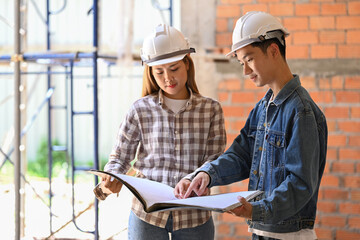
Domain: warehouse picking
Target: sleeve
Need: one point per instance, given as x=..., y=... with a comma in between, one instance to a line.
x=234, y=165
x=216, y=141
x=302, y=168
x=126, y=144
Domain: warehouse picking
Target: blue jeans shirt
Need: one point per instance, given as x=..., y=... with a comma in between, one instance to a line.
x=282, y=150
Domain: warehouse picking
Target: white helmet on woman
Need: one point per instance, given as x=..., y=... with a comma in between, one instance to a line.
x=256, y=26
x=165, y=45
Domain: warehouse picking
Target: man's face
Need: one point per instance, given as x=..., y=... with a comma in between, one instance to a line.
x=257, y=66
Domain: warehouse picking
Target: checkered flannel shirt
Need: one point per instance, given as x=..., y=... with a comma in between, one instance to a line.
x=168, y=148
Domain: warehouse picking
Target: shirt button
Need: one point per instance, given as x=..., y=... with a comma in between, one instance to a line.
x=176, y=132
x=254, y=172
x=260, y=148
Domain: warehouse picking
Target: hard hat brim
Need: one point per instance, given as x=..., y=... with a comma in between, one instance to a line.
x=166, y=60
x=241, y=44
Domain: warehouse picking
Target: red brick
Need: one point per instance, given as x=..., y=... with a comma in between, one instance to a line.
x=353, y=36
x=348, y=22
x=343, y=167
x=346, y=235
x=230, y=84
x=229, y=218
x=223, y=229
x=268, y=1
x=326, y=206
x=307, y=37
x=323, y=51
x=355, y=112
x=355, y=195
x=329, y=181
x=307, y=9
x=324, y=233
x=223, y=97
x=321, y=23
x=349, y=51
x=308, y=82
x=281, y=9
x=325, y=83
x=233, y=111
x=297, y=52
x=242, y=230
x=352, y=82
x=333, y=221
x=243, y=97
x=331, y=154
x=349, y=208
x=347, y=97
x=296, y=23
x=254, y=7
x=335, y=194
x=337, y=112
x=322, y=96
x=333, y=9
x=236, y=2
x=238, y=125
x=337, y=82
x=222, y=25
x=332, y=37
x=354, y=7
x=223, y=39
x=349, y=154
x=354, y=222
x=227, y=11
x=332, y=125
x=336, y=140
x=352, y=182
x=349, y=126
x=354, y=141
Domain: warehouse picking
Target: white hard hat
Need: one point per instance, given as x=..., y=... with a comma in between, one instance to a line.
x=165, y=45
x=256, y=26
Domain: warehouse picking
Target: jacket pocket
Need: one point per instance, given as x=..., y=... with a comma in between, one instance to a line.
x=276, y=153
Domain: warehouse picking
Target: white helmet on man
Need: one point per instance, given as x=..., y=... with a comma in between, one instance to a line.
x=256, y=26
x=165, y=45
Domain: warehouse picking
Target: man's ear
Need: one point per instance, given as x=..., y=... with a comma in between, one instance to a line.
x=274, y=50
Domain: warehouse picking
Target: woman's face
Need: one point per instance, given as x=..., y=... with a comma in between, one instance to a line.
x=172, y=78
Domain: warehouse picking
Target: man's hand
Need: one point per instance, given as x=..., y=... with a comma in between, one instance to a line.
x=245, y=210
x=198, y=185
x=111, y=184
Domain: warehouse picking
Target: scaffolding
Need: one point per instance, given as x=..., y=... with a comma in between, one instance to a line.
x=68, y=61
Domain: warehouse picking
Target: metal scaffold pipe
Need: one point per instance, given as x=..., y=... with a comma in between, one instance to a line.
x=17, y=127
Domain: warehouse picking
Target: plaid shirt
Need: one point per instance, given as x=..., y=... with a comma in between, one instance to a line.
x=169, y=147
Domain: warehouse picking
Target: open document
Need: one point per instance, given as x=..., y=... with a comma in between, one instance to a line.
x=156, y=196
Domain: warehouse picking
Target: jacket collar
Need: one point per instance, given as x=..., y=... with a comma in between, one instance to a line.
x=284, y=93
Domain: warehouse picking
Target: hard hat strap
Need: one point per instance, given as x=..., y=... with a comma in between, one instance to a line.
x=169, y=55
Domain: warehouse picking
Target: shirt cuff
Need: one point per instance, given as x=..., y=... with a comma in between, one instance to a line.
x=258, y=211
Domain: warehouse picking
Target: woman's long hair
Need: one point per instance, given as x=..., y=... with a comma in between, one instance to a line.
x=150, y=86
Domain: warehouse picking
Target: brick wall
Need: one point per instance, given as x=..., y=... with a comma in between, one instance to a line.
x=326, y=34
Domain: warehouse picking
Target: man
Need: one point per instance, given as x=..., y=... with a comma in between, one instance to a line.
x=282, y=147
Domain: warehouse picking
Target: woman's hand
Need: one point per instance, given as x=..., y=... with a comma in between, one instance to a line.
x=181, y=187
x=111, y=184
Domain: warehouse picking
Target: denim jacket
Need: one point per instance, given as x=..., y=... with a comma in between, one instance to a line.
x=282, y=150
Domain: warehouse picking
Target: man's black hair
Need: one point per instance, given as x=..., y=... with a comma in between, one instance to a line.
x=266, y=43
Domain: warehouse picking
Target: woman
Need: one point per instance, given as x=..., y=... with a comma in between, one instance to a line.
x=171, y=131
